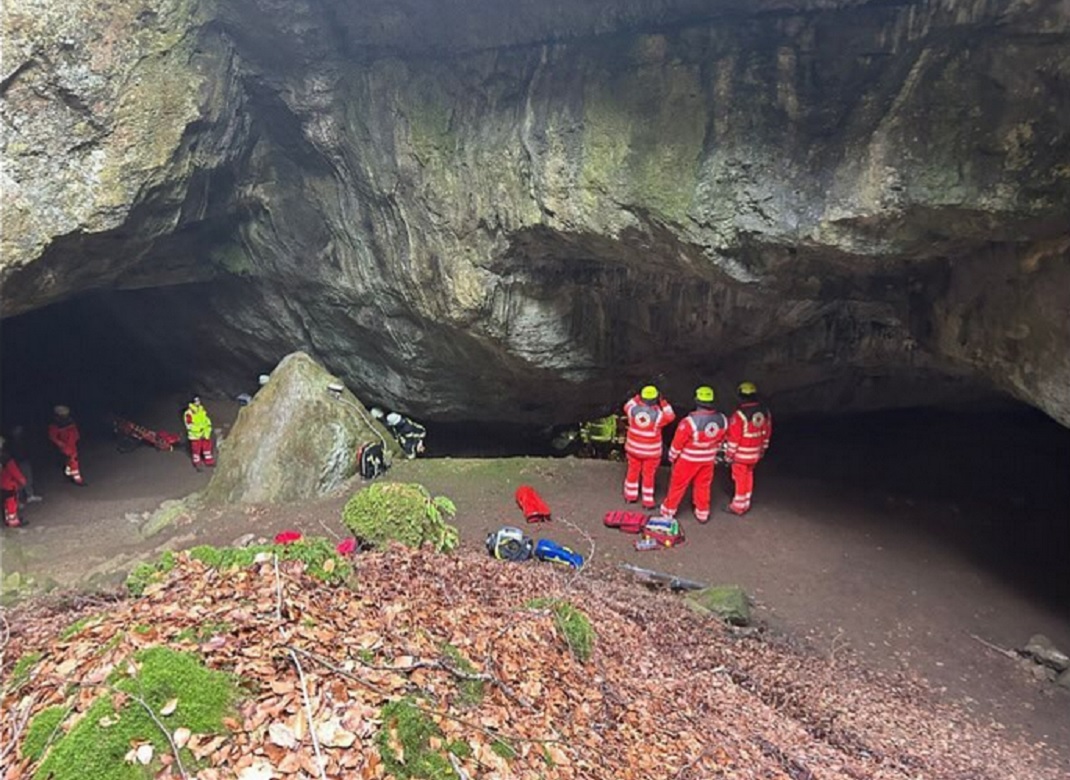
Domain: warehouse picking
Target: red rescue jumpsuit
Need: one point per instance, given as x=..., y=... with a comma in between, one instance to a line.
x=12, y=481
x=692, y=453
x=749, y=432
x=63, y=432
x=643, y=445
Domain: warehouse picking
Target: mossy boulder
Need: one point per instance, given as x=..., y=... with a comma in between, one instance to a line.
x=396, y=512
x=296, y=440
x=729, y=602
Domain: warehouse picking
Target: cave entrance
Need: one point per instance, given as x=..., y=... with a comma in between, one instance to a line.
x=84, y=354
x=989, y=482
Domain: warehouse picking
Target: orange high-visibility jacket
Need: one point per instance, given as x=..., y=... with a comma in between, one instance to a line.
x=645, y=421
x=749, y=432
x=65, y=436
x=699, y=436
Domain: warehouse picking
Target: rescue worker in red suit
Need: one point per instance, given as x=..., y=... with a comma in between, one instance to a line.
x=749, y=432
x=693, y=452
x=647, y=414
x=11, y=482
x=199, y=433
x=63, y=432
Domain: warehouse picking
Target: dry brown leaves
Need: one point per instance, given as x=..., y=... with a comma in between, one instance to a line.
x=667, y=695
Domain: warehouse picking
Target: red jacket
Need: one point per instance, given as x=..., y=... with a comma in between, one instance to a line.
x=749, y=432
x=11, y=477
x=65, y=436
x=699, y=436
x=645, y=421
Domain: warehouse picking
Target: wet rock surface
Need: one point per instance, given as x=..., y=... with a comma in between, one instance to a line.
x=863, y=204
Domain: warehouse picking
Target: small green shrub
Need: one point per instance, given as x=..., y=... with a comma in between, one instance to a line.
x=96, y=745
x=573, y=626
x=406, y=513
x=412, y=729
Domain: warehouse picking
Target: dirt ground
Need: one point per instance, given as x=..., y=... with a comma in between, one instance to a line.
x=896, y=575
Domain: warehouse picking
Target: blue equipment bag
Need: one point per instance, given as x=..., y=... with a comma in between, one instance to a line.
x=549, y=550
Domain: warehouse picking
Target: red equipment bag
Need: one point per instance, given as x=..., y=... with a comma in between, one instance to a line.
x=532, y=505
x=659, y=539
x=628, y=522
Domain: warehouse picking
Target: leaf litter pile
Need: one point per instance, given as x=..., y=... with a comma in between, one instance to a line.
x=439, y=666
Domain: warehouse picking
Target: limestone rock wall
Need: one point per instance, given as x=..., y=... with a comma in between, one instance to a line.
x=518, y=211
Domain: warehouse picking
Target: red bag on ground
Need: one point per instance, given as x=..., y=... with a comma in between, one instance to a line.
x=628, y=522
x=659, y=540
x=532, y=505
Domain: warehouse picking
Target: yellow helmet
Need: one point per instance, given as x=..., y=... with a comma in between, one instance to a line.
x=704, y=394
x=649, y=393
x=747, y=388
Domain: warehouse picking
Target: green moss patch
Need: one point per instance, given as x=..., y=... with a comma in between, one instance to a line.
x=20, y=673
x=319, y=556
x=573, y=626
x=97, y=744
x=471, y=691
x=405, y=744
x=77, y=626
x=144, y=574
x=406, y=513
x=42, y=731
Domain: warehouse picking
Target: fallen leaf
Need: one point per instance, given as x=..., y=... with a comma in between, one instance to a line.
x=169, y=707
x=331, y=734
x=181, y=736
x=282, y=735
x=144, y=754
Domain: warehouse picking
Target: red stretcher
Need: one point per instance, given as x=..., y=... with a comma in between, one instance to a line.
x=161, y=440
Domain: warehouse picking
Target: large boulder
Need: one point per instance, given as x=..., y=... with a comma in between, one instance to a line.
x=296, y=440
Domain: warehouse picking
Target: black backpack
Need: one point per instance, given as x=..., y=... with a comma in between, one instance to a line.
x=371, y=460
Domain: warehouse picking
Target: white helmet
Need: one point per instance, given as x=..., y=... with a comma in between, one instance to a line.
x=377, y=413
x=393, y=418
x=263, y=379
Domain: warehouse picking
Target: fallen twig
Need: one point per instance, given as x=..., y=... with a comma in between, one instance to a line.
x=170, y=739
x=1001, y=650
x=308, y=714
x=441, y=713
x=457, y=767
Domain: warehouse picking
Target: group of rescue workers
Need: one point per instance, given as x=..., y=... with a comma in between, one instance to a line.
x=16, y=471
x=700, y=439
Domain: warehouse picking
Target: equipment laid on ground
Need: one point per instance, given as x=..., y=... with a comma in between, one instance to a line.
x=660, y=532
x=371, y=460
x=651, y=577
x=549, y=550
x=135, y=434
x=628, y=522
x=509, y=544
x=531, y=504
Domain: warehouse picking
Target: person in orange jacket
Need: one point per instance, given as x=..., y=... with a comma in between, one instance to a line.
x=693, y=452
x=647, y=414
x=11, y=482
x=749, y=433
x=63, y=432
